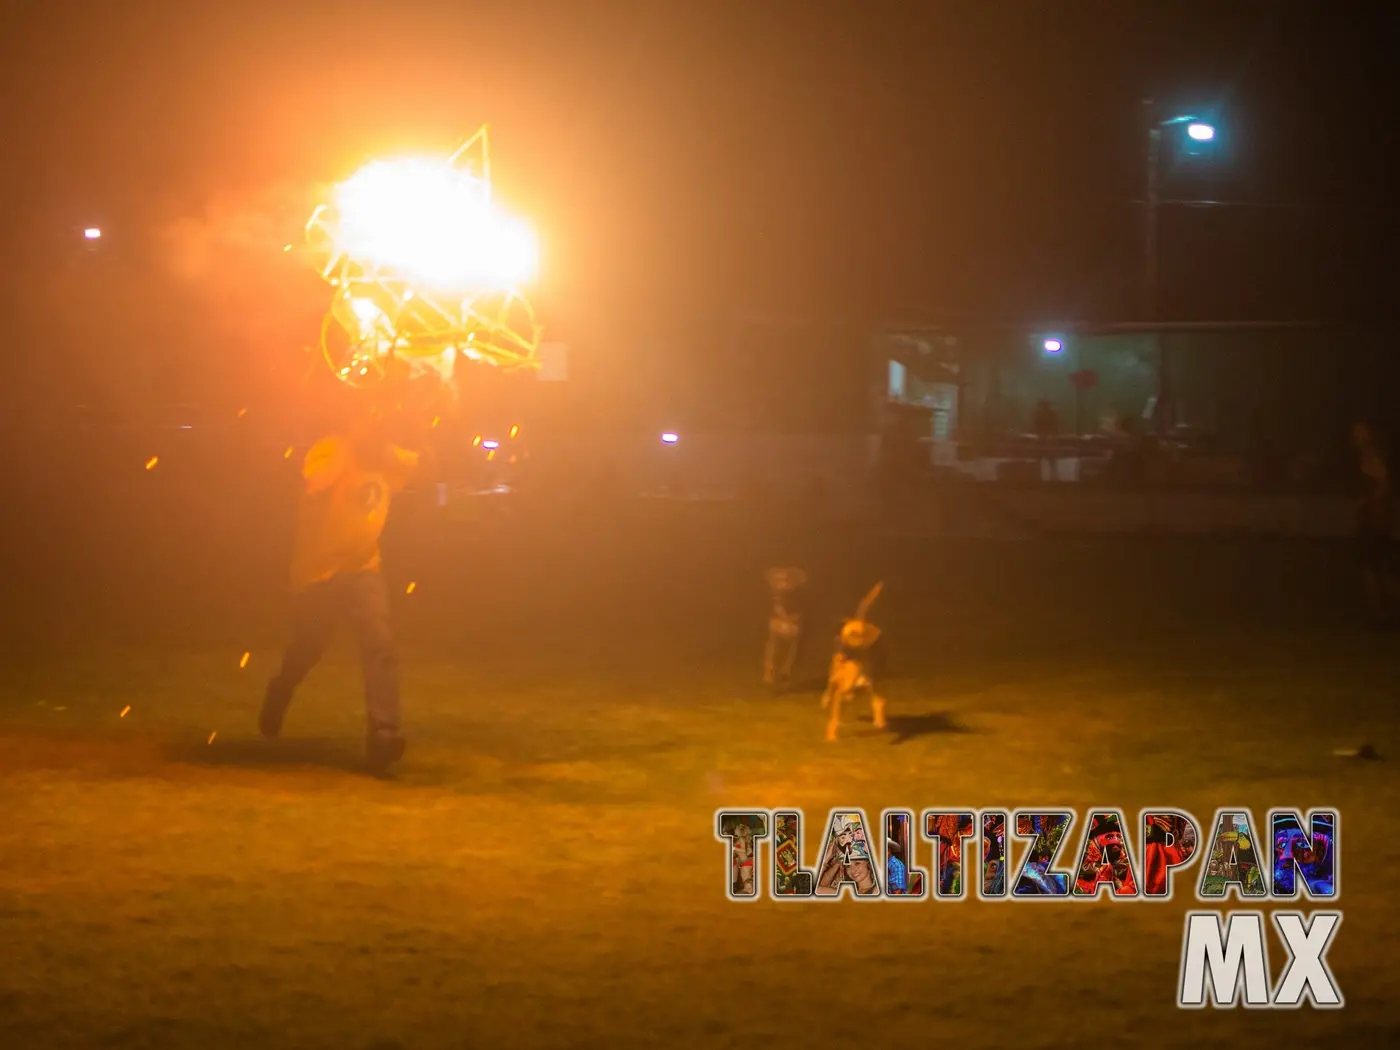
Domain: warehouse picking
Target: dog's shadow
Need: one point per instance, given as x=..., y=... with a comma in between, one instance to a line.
x=344, y=756
x=909, y=727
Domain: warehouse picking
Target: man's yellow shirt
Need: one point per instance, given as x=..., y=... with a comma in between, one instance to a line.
x=343, y=510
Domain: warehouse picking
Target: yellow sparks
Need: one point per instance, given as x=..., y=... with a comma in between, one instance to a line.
x=244, y=662
x=514, y=429
x=411, y=588
x=60, y=708
x=476, y=441
x=286, y=247
x=242, y=412
x=213, y=735
x=288, y=453
x=151, y=463
x=491, y=454
x=436, y=420
x=126, y=710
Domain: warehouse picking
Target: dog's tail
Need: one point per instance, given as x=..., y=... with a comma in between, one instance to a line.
x=863, y=609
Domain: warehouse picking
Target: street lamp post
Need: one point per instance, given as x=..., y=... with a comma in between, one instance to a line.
x=1199, y=131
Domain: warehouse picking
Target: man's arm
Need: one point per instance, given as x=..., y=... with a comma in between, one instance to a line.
x=407, y=464
x=324, y=463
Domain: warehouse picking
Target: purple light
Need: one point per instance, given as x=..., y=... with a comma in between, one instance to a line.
x=1053, y=346
x=669, y=438
x=490, y=444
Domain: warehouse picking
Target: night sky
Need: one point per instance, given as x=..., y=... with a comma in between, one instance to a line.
x=977, y=159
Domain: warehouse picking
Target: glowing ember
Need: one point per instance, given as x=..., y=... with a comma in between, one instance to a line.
x=411, y=588
x=125, y=710
x=213, y=735
x=151, y=463
x=514, y=430
x=244, y=662
x=288, y=453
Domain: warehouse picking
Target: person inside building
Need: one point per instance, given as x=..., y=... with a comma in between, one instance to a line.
x=1045, y=421
x=1375, y=525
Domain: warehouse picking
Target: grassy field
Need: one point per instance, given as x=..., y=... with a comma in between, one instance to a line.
x=543, y=871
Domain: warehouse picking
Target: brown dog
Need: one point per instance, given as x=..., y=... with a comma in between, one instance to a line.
x=851, y=672
x=786, y=617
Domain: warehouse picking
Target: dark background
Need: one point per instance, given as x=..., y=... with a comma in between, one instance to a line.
x=680, y=159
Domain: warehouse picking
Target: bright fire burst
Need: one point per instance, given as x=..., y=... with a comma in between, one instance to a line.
x=426, y=270
x=432, y=224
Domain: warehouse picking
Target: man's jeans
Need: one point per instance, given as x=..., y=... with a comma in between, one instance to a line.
x=362, y=598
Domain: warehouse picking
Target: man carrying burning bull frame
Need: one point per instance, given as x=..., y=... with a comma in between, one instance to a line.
x=348, y=480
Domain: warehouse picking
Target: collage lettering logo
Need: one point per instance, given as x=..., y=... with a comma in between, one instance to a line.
x=1224, y=955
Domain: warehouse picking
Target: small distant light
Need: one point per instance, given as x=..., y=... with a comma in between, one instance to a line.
x=669, y=438
x=1201, y=132
x=92, y=233
x=1053, y=346
x=490, y=444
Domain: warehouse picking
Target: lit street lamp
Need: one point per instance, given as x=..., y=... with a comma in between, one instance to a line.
x=1197, y=130
x=1200, y=133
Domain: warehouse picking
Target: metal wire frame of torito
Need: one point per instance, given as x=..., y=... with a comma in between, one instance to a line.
x=386, y=320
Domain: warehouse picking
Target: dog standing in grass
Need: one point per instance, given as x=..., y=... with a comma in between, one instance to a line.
x=852, y=666
x=786, y=616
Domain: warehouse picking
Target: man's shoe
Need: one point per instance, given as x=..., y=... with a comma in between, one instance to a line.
x=381, y=752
